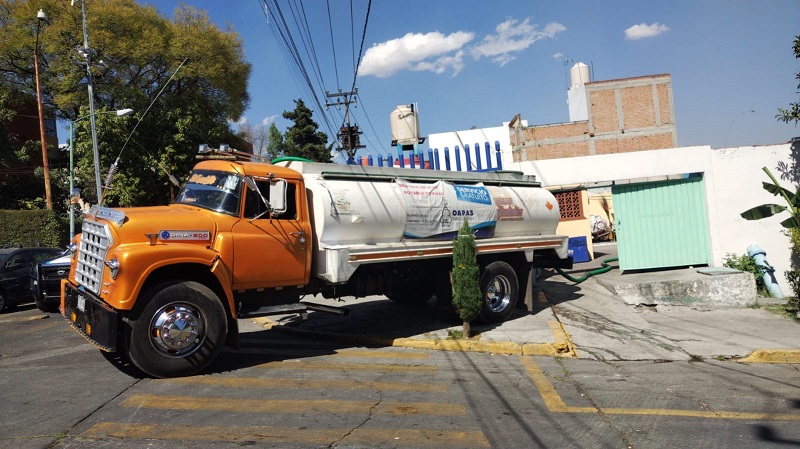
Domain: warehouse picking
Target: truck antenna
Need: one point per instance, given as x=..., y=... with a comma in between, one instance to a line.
x=112, y=171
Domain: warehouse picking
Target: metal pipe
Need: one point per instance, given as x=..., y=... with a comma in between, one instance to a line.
x=767, y=271
x=86, y=51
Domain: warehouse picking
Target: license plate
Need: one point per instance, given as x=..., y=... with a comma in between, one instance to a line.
x=81, y=303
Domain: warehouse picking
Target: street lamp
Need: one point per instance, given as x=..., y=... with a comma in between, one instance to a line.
x=87, y=53
x=72, y=192
x=41, y=17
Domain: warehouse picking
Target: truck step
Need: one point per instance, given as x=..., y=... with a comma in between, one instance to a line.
x=285, y=309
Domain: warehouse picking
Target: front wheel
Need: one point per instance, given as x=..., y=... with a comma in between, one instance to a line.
x=179, y=332
x=500, y=290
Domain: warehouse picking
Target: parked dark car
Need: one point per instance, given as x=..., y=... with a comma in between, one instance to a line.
x=15, y=269
x=46, y=279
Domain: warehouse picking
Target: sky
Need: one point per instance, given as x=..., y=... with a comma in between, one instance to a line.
x=476, y=63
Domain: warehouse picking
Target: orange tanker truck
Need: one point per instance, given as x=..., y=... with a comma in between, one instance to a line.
x=166, y=285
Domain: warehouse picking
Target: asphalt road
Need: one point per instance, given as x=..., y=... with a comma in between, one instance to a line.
x=278, y=390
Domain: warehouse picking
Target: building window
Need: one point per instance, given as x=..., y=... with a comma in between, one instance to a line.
x=570, y=205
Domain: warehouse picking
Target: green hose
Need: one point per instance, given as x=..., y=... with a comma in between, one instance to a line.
x=290, y=159
x=604, y=268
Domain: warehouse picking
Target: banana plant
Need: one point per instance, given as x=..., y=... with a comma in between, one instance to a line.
x=768, y=210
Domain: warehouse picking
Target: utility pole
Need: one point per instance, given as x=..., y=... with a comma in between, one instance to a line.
x=348, y=134
x=41, y=17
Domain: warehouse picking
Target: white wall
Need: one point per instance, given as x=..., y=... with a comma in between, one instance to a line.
x=470, y=137
x=732, y=179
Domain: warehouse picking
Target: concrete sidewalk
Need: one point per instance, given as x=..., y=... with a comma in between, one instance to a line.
x=586, y=321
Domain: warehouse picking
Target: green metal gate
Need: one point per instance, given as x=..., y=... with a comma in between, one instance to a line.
x=661, y=224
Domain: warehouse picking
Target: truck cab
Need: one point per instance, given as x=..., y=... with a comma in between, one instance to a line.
x=164, y=284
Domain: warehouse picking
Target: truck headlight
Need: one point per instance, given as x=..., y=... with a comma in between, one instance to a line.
x=113, y=266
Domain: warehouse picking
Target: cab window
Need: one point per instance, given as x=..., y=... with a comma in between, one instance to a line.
x=255, y=207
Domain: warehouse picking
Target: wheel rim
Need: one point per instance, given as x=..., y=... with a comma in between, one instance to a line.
x=177, y=330
x=498, y=293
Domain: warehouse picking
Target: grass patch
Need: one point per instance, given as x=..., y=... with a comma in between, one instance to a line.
x=788, y=310
x=455, y=334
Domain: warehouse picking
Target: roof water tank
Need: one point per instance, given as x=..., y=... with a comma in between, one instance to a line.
x=579, y=74
x=405, y=125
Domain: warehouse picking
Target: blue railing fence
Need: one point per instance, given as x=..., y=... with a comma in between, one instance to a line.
x=477, y=158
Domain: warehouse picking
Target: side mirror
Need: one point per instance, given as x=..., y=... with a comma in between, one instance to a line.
x=277, y=195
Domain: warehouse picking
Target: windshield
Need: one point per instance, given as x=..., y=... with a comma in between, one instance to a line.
x=213, y=190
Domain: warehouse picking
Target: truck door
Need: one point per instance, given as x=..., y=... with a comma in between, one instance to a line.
x=270, y=251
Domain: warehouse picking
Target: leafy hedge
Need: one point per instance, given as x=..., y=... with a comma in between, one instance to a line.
x=33, y=228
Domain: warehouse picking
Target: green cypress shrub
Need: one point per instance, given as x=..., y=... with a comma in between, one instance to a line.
x=465, y=278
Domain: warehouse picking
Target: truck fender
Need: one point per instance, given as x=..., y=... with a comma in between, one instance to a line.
x=128, y=288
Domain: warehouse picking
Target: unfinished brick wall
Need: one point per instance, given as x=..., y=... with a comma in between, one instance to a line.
x=638, y=107
x=555, y=151
x=603, y=111
x=631, y=114
x=626, y=144
x=560, y=131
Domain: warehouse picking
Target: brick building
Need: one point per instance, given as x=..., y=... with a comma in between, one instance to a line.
x=24, y=126
x=613, y=116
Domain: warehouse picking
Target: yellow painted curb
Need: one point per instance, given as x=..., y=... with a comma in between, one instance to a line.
x=494, y=347
x=773, y=356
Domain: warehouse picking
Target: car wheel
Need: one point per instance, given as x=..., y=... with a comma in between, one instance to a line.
x=2, y=302
x=179, y=332
x=49, y=308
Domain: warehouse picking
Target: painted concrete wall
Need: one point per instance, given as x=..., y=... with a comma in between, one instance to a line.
x=470, y=137
x=732, y=179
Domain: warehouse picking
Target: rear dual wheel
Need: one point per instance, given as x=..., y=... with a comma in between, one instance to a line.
x=500, y=289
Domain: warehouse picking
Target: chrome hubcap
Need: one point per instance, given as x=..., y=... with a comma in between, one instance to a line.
x=497, y=293
x=177, y=330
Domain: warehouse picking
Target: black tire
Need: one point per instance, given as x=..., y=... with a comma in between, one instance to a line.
x=49, y=308
x=2, y=302
x=197, y=325
x=500, y=291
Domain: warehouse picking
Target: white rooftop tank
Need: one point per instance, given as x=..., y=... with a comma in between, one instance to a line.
x=579, y=74
x=576, y=95
x=405, y=125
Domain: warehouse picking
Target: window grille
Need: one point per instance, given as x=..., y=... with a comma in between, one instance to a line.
x=570, y=205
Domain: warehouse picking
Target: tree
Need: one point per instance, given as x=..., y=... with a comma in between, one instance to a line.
x=465, y=278
x=792, y=200
x=302, y=139
x=792, y=114
x=256, y=135
x=276, y=147
x=140, y=50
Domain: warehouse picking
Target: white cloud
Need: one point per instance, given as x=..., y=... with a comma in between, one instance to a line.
x=269, y=120
x=558, y=55
x=644, y=30
x=512, y=37
x=438, y=53
x=415, y=51
x=441, y=65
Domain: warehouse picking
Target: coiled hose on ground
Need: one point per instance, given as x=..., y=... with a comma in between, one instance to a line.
x=604, y=268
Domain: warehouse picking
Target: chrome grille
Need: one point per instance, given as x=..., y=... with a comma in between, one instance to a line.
x=56, y=272
x=95, y=241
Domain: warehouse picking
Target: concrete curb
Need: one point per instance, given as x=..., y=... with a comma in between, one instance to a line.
x=562, y=348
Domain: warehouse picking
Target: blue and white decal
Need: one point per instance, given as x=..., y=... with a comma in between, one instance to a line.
x=185, y=236
x=473, y=194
